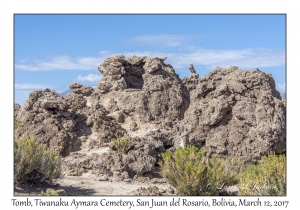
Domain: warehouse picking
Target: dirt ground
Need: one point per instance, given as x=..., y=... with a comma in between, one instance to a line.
x=86, y=185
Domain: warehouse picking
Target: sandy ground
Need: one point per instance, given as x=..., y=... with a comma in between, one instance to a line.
x=86, y=185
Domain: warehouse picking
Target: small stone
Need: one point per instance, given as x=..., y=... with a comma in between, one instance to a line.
x=162, y=191
x=170, y=190
x=103, y=178
x=61, y=192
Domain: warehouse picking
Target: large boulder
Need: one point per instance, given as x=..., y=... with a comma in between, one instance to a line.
x=46, y=119
x=81, y=90
x=62, y=123
x=144, y=89
x=234, y=112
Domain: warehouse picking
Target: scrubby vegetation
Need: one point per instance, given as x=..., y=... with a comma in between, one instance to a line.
x=221, y=173
x=190, y=174
x=17, y=123
x=122, y=145
x=49, y=192
x=266, y=178
x=34, y=162
x=234, y=164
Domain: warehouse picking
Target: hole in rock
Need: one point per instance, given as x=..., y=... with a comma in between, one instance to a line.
x=168, y=146
x=133, y=77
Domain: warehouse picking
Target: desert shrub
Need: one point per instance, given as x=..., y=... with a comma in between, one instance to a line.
x=34, y=162
x=150, y=189
x=49, y=192
x=221, y=173
x=266, y=178
x=17, y=123
x=122, y=145
x=234, y=164
x=187, y=170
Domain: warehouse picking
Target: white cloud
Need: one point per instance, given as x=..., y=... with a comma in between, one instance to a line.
x=246, y=58
x=63, y=62
x=243, y=58
x=28, y=86
x=89, y=78
x=281, y=88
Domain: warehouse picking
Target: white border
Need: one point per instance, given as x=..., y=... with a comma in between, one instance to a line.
x=9, y=8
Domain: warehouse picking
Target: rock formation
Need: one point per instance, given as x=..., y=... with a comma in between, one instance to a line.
x=17, y=108
x=64, y=123
x=146, y=89
x=228, y=112
x=235, y=112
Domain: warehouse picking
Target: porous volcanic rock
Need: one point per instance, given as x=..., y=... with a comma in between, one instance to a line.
x=82, y=90
x=77, y=163
x=139, y=160
x=17, y=108
x=150, y=90
x=62, y=123
x=228, y=112
x=234, y=112
x=46, y=119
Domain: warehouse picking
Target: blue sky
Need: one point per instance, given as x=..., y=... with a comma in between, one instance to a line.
x=56, y=50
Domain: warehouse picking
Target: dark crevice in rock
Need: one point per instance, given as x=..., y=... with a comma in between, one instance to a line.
x=134, y=77
x=168, y=147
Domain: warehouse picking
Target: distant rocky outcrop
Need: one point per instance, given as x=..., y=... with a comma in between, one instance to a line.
x=228, y=112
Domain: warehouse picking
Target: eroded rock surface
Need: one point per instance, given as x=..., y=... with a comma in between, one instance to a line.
x=17, y=108
x=64, y=124
x=143, y=89
x=228, y=112
x=235, y=112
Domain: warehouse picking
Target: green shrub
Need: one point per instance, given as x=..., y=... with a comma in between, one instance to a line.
x=266, y=178
x=234, y=164
x=190, y=174
x=150, y=189
x=122, y=145
x=49, y=192
x=221, y=173
x=34, y=162
x=17, y=123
